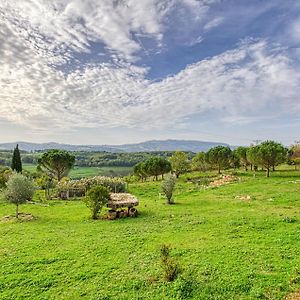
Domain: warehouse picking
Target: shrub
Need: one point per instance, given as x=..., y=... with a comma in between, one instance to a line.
x=115, y=185
x=168, y=186
x=19, y=190
x=96, y=198
x=170, y=266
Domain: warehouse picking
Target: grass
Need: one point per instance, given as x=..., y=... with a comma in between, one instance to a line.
x=227, y=248
x=79, y=172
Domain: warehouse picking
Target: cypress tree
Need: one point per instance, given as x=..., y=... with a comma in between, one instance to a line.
x=16, y=164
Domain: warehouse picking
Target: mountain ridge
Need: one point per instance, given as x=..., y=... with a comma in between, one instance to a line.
x=146, y=146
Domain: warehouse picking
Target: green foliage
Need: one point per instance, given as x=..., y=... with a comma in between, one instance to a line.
x=16, y=164
x=5, y=173
x=199, y=162
x=219, y=157
x=19, y=190
x=116, y=185
x=168, y=186
x=169, y=265
x=253, y=156
x=180, y=163
x=241, y=153
x=271, y=154
x=295, y=154
x=154, y=166
x=96, y=197
x=57, y=162
x=140, y=171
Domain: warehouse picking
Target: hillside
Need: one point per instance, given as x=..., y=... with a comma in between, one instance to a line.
x=148, y=146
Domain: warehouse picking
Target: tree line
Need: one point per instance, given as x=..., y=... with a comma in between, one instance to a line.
x=266, y=155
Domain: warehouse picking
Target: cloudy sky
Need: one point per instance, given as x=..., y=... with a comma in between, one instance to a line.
x=119, y=71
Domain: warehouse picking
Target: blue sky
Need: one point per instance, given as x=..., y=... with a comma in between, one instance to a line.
x=112, y=72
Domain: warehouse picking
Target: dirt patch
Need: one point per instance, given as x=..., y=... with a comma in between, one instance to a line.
x=244, y=197
x=293, y=296
x=22, y=217
x=223, y=180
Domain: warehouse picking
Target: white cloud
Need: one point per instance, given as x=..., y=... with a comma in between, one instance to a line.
x=252, y=82
x=62, y=26
x=249, y=82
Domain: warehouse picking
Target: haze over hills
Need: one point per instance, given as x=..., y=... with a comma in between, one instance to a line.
x=148, y=146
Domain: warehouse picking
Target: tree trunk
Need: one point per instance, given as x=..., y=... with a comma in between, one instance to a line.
x=246, y=169
x=251, y=167
x=177, y=175
x=17, y=211
x=156, y=178
x=268, y=172
x=273, y=168
x=219, y=170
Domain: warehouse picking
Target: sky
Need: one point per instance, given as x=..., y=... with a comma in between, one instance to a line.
x=126, y=71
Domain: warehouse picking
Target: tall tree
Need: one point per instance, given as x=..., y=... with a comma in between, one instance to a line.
x=271, y=154
x=57, y=162
x=16, y=164
x=180, y=163
x=241, y=153
x=219, y=157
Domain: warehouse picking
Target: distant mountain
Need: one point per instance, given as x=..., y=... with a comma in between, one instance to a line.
x=148, y=146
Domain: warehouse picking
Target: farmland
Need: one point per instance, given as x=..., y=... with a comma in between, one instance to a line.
x=237, y=241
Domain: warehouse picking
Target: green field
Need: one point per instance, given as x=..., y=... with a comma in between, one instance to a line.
x=79, y=172
x=227, y=248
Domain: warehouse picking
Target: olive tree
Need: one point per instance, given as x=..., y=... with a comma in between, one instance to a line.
x=168, y=186
x=19, y=190
x=57, y=162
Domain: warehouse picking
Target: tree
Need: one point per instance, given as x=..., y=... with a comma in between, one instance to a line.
x=219, y=157
x=271, y=154
x=96, y=198
x=19, y=190
x=139, y=170
x=253, y=156
x=241, y=153
x=168, y=186
x=199, y=162
x=57, y=162
x=295, y=155
x=180, y=163
x=16, y=163
x=155, y=166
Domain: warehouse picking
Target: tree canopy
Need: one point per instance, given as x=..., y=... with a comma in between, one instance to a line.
x=19, y=190
x=57, y=162
x=270, y=154
x=180, y=163
x=16, y=163
x=219, y=156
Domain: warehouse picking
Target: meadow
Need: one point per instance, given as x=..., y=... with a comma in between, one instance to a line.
x=227, y=245
x=79, y=172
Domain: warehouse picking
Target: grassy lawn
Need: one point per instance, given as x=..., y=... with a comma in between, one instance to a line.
x=79, y=172
x=227, y=248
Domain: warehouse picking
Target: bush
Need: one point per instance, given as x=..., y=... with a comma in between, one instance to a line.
x=96, y=198
x=170, y=266
x=168, y=186
x=115, y=185
x=19, y=190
